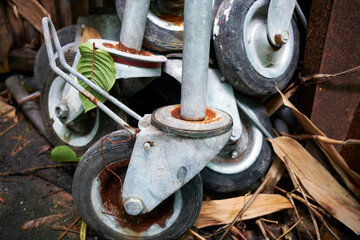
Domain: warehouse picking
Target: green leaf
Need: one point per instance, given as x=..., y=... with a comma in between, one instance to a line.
x=64, y=153
x=104, y=73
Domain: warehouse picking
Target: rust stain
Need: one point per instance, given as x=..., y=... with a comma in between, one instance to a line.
x=121, y=47
x=177, y=20
x=209, y=118
x=89, y=96
x=111, y=197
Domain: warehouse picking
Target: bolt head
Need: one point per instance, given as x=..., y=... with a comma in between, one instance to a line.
x=62, y=111
x=281, y=37
x=147, y=146
x=234, y=154
x=133, y=206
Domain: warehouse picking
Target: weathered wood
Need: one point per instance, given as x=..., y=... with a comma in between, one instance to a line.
x=22, y=59
x=65, y=13
x=80, y=9
x=16, y=24
x=32, y=11
x=32, y=36
x=51, y=7
x=5, y=40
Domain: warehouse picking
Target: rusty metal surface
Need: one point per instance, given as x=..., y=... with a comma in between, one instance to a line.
x=336, y=101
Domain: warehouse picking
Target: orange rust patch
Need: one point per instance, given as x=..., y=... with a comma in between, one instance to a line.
x=177, y=20
x=209, y=118
x=121, y=47
x=110, y=193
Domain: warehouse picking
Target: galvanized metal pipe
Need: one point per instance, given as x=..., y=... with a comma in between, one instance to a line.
x=134, y=22
x=197, y=30
x=48, y=25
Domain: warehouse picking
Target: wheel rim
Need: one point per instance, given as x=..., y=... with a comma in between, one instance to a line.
x=66, y=134
x=248, y=149
x=166, y=21
x=268, y=61
x=108, y=209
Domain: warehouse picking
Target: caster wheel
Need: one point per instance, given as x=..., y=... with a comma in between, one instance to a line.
x=239, y=166
x=81, y=133
x=164, y=31
x=97, y=197
x=245, y=56
x=66, y=37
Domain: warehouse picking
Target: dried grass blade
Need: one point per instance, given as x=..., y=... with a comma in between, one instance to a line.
x=218, y=212
x=350, y=177
x=40, y=221
x=319, y=183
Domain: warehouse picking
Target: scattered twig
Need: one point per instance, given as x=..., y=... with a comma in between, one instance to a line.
x=267, y=229
x=234, y=230
x=30, y=170
x=322, y=139
x=196, y=234
x=318, y=78
x=9, y=128
x=248, y=203
x=269, y=221
x=304, y=196
x=67, y=230
x=297, y=216
x=51, y=193
x=282, y=235
x=259, y=223
x=29, y=97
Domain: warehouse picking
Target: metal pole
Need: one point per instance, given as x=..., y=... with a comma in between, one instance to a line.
x=197, y=30
x=134, y=22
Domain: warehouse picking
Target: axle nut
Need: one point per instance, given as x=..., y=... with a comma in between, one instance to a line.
x=62, y=111
x=133, y=206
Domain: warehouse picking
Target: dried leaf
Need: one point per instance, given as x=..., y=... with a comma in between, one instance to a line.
x=319, y=183
x=224, y=211
x=40, y=221
x=83, y=230
x=351, y=178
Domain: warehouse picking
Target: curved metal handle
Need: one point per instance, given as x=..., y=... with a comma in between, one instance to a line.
x=48, y=27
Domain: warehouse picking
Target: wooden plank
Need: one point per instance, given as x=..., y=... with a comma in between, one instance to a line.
x=16, y=24
x=5, y=40
x=52, y=7
x=65, y=13
x=22, y=59
x=32, y=11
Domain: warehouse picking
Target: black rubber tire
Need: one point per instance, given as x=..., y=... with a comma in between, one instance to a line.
x=232, y=57
x=156, y=38
x=66, y=35
x=106, y=123
x=90, y=166
x=248, y=179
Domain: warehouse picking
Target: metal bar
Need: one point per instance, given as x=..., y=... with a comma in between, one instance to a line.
x=80, y=76
x=134, y=22
x=197, y=30
x=250, y=114
x=278, y=20
x=48, y=25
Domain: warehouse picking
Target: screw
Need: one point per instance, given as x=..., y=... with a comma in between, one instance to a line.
x=134, y=206
x=281, y=37
x=147, y=146
x=235, y=134
x=222, y=79
x=83, y=25
x=234, y=154
x=62, y=111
